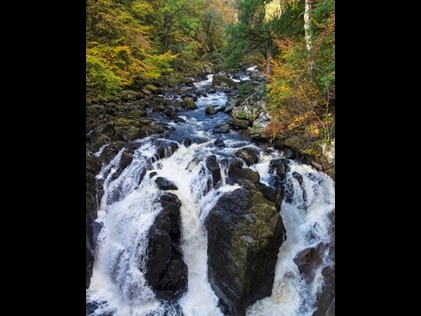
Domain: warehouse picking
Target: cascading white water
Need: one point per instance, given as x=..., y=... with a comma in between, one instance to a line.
x=307, y=223
x=204, y=83
x=117, y=278
x=129, y=206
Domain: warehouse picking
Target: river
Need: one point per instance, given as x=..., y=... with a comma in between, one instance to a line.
x=128, y=208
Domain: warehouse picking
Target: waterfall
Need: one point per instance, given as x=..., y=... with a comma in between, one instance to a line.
x=306, y=217
x=129, y=206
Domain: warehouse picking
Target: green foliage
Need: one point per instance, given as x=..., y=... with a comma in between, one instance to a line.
x=116, y=46
x=99, y=78
x=157, y=65
x=324, y=46
x=250, y=35
x=301, y=89
x=246, y=88
x=301, y=99
x=132, y=42
x=291, y=22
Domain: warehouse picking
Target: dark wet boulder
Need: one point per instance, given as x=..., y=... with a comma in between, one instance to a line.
x=165, y=184
x=126, y=159
x=187, y=142
x=281, y=166
x=222, y=128
x=245, y=232
x=326, y=296
x=289, y=154
x=213, y=166
x=243, y=176
x=250, y=179
x=249, y=155
x=219, y=143
x=131, y=129
x=171, y=113
x=165, y=148
x=210, y=110
x=307, y=261
x=166, y=272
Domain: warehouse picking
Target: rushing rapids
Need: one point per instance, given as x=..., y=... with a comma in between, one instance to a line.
x=130, y=204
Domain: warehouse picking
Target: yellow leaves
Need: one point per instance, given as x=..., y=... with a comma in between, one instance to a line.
x=314, y=132
x=142, y=8
x=299, y=120
x=119, y=61
x=156, y=65
x=273, y=10
x=294, y=100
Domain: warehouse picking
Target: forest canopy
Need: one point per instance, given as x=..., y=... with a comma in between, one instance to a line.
x=138, y=41
x=132, y=43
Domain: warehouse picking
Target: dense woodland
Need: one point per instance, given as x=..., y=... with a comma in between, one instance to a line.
x=133, y=43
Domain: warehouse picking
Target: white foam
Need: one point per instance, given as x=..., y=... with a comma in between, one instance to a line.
x=290, y=294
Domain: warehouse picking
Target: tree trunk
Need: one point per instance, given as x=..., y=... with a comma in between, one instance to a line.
x=307, y=30
x=269, y=55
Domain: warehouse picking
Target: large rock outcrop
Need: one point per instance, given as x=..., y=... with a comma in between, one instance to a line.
x=92, y=168
x=166, y=271
x=245, y=232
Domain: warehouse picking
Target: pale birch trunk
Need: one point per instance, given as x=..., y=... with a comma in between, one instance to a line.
x=307, y=30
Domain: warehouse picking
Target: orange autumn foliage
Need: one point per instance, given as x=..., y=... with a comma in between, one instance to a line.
x=295, y=103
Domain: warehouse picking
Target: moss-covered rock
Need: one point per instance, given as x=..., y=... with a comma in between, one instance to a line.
x=223, y=82
x=151, y=89
x=248, y=112
x=188, y=103
x=93, y=112
x=98, y=141
x=136, y=114
x=129, y=95
x=157, y=107
x=292, y=142
x=210, y=110
x=130, y=129
x=245, y=177
x=245, y=232
x=257, y=130
x=239, y=123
